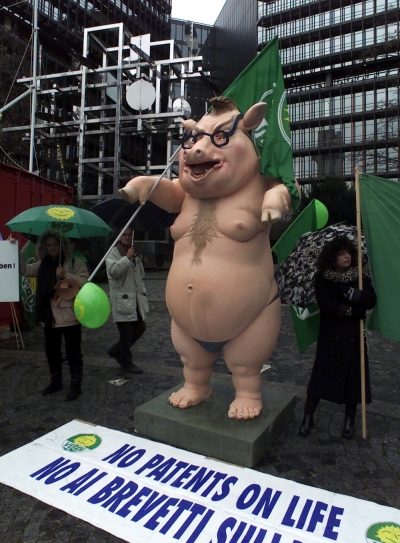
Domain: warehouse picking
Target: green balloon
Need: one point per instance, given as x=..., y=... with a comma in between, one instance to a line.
x=322, y=214
x=92, y=306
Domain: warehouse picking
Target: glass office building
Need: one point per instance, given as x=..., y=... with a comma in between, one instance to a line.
x=195, y=39
x=235, y=38
x=341, y=65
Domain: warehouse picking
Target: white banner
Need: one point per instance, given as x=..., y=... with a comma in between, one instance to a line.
x=146, y=492
x=9, y=272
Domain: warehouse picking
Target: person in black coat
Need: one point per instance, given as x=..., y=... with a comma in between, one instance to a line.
x=336, y=374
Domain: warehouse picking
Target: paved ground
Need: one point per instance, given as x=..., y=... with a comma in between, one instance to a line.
x=367, y=469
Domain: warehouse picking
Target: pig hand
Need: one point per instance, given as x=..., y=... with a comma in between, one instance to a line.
x=137, y=188
x=270, y=216
x=276, y=203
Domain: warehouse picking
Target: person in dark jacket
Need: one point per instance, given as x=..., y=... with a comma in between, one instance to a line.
x=336, y=374
x=59, y=277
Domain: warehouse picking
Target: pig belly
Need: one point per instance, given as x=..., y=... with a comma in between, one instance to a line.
x=216, y=300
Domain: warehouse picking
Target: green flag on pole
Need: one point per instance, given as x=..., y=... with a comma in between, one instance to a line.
x=28, y=286
x=380, y=212
x=305, y=319
x=262, y=81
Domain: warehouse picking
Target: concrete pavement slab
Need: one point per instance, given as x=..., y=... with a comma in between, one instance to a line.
x=366, y=469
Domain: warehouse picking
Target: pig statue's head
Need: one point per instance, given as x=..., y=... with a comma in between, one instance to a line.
x=218, y=156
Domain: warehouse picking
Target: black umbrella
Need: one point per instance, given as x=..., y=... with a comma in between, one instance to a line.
x=295, y=276
x=116, y=213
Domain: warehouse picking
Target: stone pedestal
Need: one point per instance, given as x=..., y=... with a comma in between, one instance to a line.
x=206, y=429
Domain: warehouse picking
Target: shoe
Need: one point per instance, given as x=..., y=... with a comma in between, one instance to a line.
x=74, y=391
x=306, y=425
x=52, y=387
x=131, y=368
x=349, y=427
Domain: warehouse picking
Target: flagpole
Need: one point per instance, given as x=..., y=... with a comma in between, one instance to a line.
x=169, y=165
x=360, y=286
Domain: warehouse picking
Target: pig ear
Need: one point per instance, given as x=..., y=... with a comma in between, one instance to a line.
x=254, y=116
x=188, y=125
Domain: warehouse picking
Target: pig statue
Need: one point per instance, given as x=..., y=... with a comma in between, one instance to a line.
x=221, y=291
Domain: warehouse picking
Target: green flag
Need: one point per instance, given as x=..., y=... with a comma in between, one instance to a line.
x=262, y=81
x=380, y=210
x=306, y=325
x=28, y=286
x=305, y=319
x=312, y=218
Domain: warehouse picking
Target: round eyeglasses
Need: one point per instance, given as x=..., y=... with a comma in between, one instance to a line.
x=220, y=138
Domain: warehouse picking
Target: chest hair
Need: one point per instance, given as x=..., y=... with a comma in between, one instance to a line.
x=204, y=227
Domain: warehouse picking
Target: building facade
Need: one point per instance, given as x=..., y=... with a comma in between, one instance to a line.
x=341, y=63
x=235, y=38
x=340, y=60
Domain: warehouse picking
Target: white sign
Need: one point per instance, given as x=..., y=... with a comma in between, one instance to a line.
x=9, y=272
x=146, y=492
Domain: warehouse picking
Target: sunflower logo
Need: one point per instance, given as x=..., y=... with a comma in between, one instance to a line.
x=60, y=213
x=81, y=442
x=277, y=112
x=383, y=532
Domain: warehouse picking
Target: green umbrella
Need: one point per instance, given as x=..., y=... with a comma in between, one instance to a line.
x=71, y=221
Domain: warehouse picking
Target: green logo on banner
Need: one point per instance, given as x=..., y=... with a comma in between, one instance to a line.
x=81, y=442
x=383, y=532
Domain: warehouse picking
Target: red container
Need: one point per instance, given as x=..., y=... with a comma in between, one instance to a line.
x=21, y=190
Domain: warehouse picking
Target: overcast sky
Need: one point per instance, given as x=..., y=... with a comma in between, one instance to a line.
x=199, y=11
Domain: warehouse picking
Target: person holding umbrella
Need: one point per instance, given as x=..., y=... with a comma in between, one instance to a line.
x=59, y=277
x=336, y=374
x=128, y=299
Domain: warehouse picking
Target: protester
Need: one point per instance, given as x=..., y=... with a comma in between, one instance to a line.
x=59, y=278
x=128, y=299
x=336, y=374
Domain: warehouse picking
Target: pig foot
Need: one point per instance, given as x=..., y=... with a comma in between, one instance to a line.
x=245, y=408
x=271, y=215
x=185, y=397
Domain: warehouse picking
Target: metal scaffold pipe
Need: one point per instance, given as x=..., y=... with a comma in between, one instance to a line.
x=34, y=82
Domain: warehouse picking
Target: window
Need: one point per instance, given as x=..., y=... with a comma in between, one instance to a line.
x=380, y=34
x=380, y=5
x=393, y=127
x=369, y=36
x=369, y=130
x=380, y=98
x=346, y=41
x=369, y=7
x=346, y=104
x=347, y=163
x=357, y=10
x=358, y=131
x=381, y=129
x=393, y=96
x=369, y=100
x=335, y=105
x=358, y=102
x=346, y=133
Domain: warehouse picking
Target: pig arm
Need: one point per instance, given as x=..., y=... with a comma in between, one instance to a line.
x=276, y=202
x=168, y=194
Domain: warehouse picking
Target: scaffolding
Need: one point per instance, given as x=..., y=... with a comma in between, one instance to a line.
x=116, y=116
